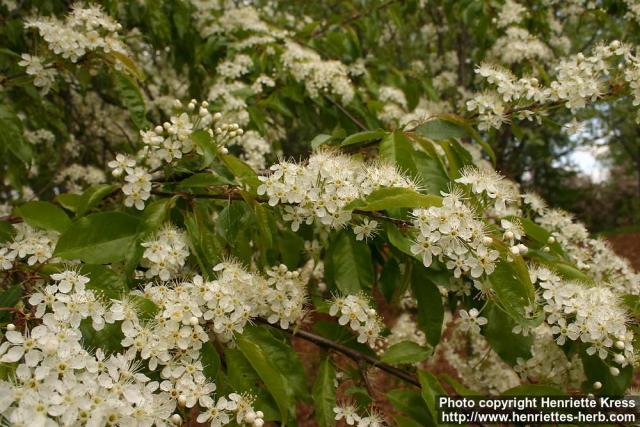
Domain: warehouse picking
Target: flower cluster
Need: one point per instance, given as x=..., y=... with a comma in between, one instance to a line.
x=165, y=253
x=406, y=329
x=318, y=75
x=76, y=178
x=578, y=80
x=549, y=364
x=167, y=143
x=84, y=30
x=355, y=311
x=93, y=388
x=43, y=75
x=454, y=235
x=477, y=364
x=34, y=246
x=591, y=314
x=324, y=187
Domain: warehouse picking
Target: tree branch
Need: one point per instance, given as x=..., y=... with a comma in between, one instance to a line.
x=354, y=355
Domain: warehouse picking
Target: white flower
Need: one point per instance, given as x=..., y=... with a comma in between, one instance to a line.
x=365, y=230
x=471, y=321
x=348, y=413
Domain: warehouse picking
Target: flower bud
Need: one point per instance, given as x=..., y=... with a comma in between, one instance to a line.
x=515, y=250
x=217, y=116
x=176, y=419
x=597, y=385
x=250, y=417
x=619, y=359
x=546, y=249
x=487, y=240
x=508, y=235
x=158, y=129
x=11, y=327
x=259, y=422
x=614, y=371
x=182, y=400
x=551, y=240
x=259, y=414
x=619, y=343
x=193, y=321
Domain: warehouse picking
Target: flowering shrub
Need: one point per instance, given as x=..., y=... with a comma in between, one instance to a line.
x=159, y=253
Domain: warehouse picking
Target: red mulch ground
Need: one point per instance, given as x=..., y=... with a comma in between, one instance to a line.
x=627, y=245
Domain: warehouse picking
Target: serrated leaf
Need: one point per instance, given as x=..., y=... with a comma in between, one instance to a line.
x=131, y=97
x=324, y=394
x=44, y=215
x=98, y=238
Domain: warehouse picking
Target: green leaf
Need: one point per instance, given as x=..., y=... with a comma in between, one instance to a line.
x=499, y=335
x=82, y=203
x=271, y=376
x=430, y=309
x=431, y=175
x=411, y=403
x=351, y=262
x=632, y=303
x=242, y=377
x=366, y=136
x=321, y=139
x=6, y=231
x=104, y=280
x=390, y=279
x=203, y=180
x=100, y=238
x=210, y=361
x=440, y=129
x=393, y=198
x=431, y=390
x=11, y=135
x=597, y=370
x=449, y=126
x=398, y=240
x=396, y=148
x=513, y=289
x=527, y=390
x=9, y=298
x=131, y=98
x=324, y=394
x=242, y=171
x=44, y=215
x=205, y=142
x=405, y=352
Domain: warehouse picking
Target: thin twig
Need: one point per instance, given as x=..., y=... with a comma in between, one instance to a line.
x=349, y=352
